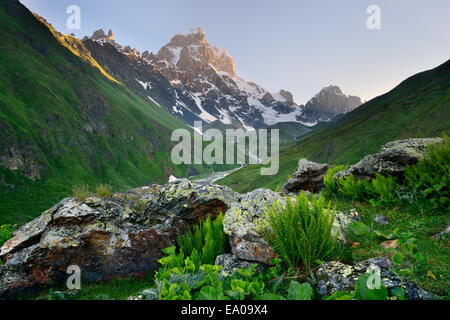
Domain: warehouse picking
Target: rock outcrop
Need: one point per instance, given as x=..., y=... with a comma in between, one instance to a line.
x=391, y=159
x=336, y=276
x=107, y=238
x=308, y=176
x=123, y=235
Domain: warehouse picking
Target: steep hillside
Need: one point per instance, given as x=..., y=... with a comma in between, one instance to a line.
x=418, y=107
x=65, y=122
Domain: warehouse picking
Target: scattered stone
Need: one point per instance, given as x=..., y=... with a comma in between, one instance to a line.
x=308, y=176
x=391, y=159
x=389, y=244
x=336, y=276
x=381, y=220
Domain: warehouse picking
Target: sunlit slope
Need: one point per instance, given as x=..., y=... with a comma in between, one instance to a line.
x=63, y=122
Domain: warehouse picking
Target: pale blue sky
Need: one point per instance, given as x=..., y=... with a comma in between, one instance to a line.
x=297, y=45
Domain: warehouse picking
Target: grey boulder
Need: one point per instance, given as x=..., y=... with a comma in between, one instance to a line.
x=391, y=159
x=308, y=176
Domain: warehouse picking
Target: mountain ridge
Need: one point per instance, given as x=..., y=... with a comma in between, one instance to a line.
x=204, y=84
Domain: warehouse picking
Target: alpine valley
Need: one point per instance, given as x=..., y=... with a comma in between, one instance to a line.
x=82, y=112
x=93, y=206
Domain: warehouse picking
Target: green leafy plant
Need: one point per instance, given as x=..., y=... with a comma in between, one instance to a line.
x=300, y=232
x=383, y=191
x=300, y=291
x=359, y=231
x=330, y=181
x=353, y=188
x=397, y=261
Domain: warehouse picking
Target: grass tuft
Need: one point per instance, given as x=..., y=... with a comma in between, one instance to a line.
x=81, y=192
x=104, y=190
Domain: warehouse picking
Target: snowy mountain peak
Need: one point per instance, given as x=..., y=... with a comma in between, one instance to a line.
x=196, y=81
x=193, y=31
x=191, y=52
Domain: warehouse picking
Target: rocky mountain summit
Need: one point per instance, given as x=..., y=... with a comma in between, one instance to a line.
x=198, y=82
x=329, y=102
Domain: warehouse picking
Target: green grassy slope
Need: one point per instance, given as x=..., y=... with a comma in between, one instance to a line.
x=63, y=123
x=418, y=107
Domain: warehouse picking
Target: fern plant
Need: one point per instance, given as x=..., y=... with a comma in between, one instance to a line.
x=330, y=181
x=431, y=175
x=300, y=232
x=353, y=188
x=383, y=190
x=204, y=242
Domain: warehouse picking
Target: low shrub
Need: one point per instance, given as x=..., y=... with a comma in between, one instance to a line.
x=300, y=231
x=330, y=181
x=383, y=190
x=425, y=185
x=353, y=188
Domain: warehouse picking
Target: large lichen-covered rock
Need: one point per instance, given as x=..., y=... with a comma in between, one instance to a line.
x=191, y=200
x=391, y=159
x=241, y=223
x=244, y=219
x=107, y=238
x=308, y=176
x=336, y=276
